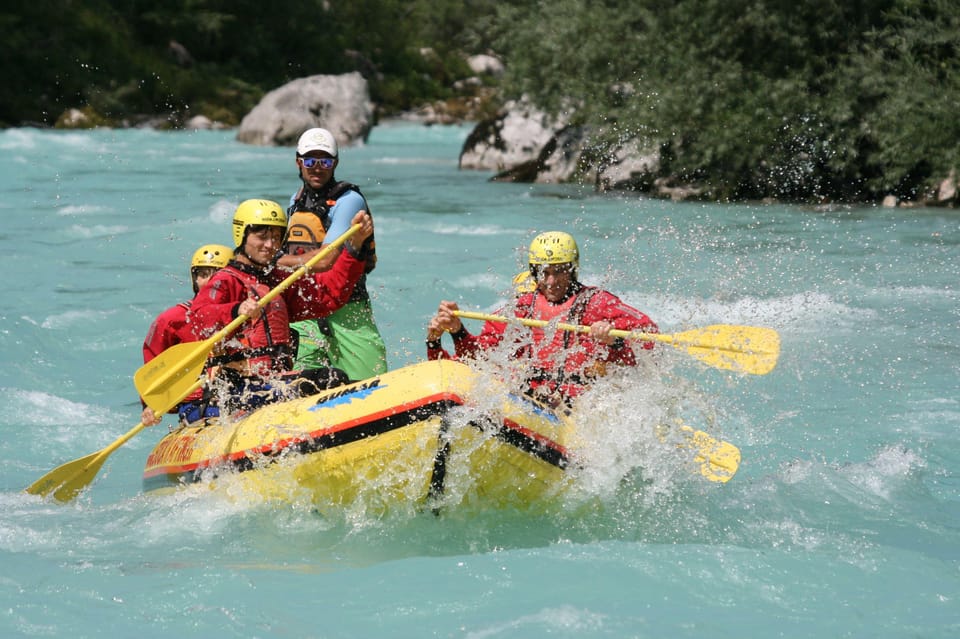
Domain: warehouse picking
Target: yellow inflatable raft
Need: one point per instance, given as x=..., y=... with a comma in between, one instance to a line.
x=419, y=435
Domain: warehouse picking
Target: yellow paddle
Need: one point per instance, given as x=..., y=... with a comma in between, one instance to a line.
x=718, y=460
x=162, y=383
x=745, y=349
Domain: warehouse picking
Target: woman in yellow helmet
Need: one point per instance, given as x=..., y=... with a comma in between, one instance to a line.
x=563, y=362
x=256, y=362
x=170, y=326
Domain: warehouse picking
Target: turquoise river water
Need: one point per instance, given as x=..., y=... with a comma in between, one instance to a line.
x=843, y=520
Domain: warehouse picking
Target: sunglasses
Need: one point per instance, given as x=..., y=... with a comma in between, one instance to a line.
x=323, y=163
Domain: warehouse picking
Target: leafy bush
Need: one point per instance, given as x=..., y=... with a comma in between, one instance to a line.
x=751, y=99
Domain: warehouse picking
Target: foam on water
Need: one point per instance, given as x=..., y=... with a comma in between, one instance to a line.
x=44, y=409
x=81, y=209
x=71, y=319
x=222, y=210
x=96, y=231
x=472, y=230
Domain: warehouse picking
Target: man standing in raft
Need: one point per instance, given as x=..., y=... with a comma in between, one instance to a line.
x=170, y=328
x=563, y=362
x=321, y=211
x=255, y=364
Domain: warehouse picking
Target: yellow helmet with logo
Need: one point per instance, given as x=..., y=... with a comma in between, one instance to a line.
x=208, y=256
x=214, y=255
x=554, y=247
x=256, y=213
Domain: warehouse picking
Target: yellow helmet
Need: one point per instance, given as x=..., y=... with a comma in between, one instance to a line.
x=554, y=247
x=256, y=213
x=215, y=255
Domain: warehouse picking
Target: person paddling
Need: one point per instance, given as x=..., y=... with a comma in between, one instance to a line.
x=563, y=362
x=256, y=363
x=319, y=212
x=170, y=327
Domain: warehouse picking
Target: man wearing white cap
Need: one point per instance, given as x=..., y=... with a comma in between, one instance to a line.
x=320, y=211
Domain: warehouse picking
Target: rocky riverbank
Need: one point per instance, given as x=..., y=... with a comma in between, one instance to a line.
x=515, y=140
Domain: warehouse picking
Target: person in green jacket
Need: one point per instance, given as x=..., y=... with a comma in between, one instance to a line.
x=319, y=212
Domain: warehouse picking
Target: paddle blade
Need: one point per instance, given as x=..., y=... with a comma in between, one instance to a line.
x=66, y=481
x=718, y=460
x=745, y=349
x=172, y=375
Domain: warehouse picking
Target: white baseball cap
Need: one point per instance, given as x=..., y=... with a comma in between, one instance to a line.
x=317, y=140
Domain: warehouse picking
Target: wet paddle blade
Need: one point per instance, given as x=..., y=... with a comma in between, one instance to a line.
x=65, y=481
x=745, y=349
x=718, y=460
x=172, y=375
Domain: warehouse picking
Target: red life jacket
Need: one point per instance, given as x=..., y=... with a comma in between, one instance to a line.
x=264, y=343
x=567, y=353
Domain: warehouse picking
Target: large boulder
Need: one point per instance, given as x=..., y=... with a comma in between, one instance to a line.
x=339, y=103
x=523, y=144
x=516, y=135
x=947, y=191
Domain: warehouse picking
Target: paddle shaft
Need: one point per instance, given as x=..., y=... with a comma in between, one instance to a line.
x=277, y=290
x=574, y=328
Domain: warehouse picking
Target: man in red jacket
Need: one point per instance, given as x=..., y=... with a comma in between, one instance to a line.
x=169, y=327
x=255, y=362
x=563, y=362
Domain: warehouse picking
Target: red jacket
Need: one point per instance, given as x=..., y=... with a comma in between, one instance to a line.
x=169, y=329
x=267, y=340
x=165, y=331
x=564, y=360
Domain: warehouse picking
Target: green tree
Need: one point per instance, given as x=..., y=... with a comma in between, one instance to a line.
x=51, y=51
x=902, y=128
x=752, y=98
x=115, y=55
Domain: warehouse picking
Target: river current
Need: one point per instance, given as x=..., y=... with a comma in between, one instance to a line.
x=842, y=521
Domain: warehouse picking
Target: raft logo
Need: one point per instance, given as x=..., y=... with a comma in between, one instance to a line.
x=347, y=395
x=173, y=450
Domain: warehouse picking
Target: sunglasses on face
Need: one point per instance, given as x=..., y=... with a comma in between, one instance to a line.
x=323, y=163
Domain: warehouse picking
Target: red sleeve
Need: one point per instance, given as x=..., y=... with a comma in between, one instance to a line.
x=164, y=332
x=467, y=345
x=320, y=294
x=213, y=307
x=608, y=307
x=170, y=328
